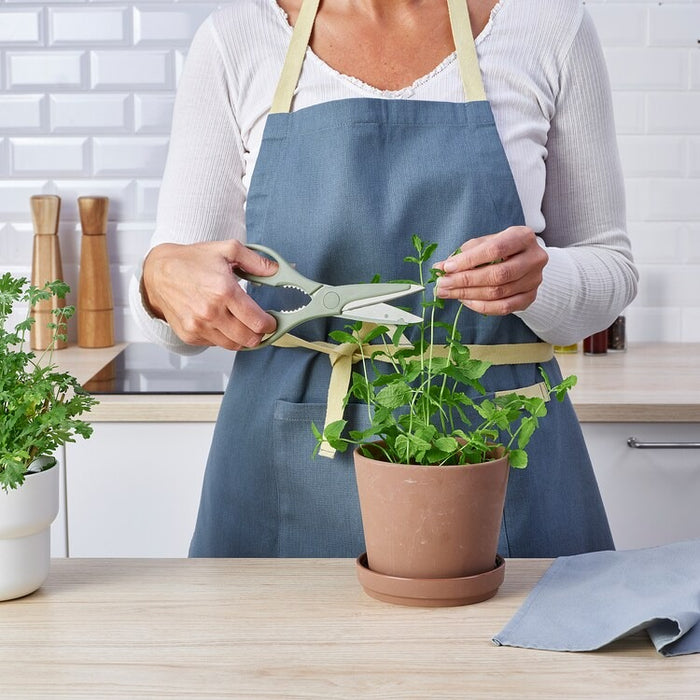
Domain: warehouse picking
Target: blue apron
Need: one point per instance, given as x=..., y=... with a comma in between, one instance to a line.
x=339, y=189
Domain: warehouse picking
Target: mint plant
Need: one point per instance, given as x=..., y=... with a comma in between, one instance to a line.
x=40, y=405
x=418, y=410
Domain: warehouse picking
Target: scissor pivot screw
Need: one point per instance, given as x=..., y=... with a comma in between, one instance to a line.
x=331, y=300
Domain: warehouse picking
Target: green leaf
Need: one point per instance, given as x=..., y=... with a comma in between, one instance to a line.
x=334, y=430
x=394, y=395
x=427, y=252
x=517, y=459
x=398, y=335
x=384, y=379
x=526, y=430
x=332, y=435
x=447, y=444
x=439, y=365
x=357, y=436
x=375, y=333
x=535, y=406
x=411, y=448
x=343, y=337
x=562, y=388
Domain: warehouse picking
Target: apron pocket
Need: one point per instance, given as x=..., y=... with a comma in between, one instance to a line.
x=319, y=511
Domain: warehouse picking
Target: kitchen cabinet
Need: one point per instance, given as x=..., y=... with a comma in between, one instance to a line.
x=651, y=495
x=132, y=489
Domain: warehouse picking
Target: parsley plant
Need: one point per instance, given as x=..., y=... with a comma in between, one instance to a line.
x=40, y=405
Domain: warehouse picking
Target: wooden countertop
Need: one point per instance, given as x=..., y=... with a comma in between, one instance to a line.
x=84, y=363
x=651, y=382
x=293, y=628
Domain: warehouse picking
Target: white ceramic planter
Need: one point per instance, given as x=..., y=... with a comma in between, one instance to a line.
x=26, y=514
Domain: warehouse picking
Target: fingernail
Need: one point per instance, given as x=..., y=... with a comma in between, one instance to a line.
x=449, y=266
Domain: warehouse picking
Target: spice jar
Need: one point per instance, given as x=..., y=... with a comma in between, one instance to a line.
x=617, y=341
x=596, y=344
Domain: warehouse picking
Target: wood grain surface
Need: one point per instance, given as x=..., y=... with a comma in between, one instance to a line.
x=95, y=303
x=294, y=628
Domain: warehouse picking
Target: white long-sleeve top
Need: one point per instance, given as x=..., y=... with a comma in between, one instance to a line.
x=545, y=77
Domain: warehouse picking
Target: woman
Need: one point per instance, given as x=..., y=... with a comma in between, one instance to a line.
x=335, y=156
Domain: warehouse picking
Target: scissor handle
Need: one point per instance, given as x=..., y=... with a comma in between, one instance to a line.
x=285, y=323
x=286, y=275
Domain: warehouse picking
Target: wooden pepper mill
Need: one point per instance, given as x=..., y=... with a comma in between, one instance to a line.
x=46, y=267
x=95, y=306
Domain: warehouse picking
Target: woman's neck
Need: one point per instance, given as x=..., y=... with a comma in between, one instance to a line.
x=388, y=44
x=392, y=11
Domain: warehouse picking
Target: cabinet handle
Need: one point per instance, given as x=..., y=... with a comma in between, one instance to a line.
x=633, y=442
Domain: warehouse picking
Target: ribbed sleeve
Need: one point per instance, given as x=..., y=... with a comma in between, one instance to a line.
x=590, y=277
x=202, y=196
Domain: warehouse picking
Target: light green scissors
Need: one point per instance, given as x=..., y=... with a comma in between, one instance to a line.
x=355, y=302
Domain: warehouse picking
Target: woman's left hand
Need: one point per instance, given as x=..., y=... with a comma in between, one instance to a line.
x=495, y=274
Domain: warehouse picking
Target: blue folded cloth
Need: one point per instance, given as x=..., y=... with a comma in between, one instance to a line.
x=586, y=601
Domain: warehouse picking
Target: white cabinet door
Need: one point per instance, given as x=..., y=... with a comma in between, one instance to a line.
x=652, y=496
x=132, y=489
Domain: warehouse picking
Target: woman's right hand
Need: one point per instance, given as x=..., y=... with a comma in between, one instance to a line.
x=193, y=288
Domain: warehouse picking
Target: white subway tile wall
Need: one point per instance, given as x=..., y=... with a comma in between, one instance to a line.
x=86, y=98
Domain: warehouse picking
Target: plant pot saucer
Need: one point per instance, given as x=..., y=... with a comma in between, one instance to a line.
x=430, y=592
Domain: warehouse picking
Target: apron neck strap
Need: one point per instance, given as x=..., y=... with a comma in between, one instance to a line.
x=466, y=51
x=461, y=33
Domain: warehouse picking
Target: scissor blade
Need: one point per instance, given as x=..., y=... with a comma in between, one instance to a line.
x=381, y=313
x=390, y=291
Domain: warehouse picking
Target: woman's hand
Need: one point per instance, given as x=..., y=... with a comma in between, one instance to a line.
x=495, y=274
x=193, y=288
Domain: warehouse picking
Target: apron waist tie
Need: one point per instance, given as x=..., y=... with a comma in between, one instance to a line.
x=342, y=357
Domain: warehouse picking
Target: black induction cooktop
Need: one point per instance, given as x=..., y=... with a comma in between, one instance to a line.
x=146, y=368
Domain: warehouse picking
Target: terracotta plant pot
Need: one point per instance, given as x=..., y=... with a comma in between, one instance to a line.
x=437, y=523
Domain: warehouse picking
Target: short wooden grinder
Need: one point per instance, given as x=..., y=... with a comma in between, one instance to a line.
x=95, y=305
x=46, y=267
